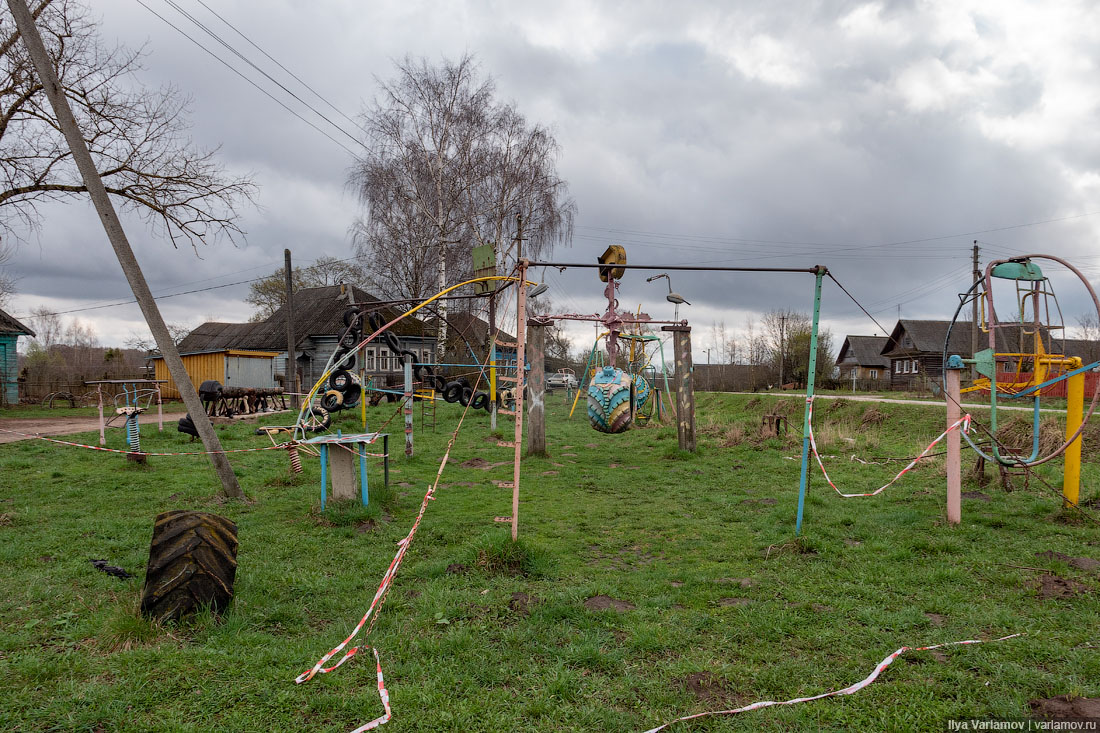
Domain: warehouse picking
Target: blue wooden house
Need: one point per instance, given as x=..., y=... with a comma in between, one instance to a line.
x=10, y=331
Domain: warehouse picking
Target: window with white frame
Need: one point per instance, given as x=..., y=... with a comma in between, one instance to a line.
x=874, y=373
x=916, y=366
x=383, y=360
x=904, y=366
x=370, y=360
x=897, y=367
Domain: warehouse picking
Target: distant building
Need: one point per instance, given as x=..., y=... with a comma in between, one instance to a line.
x=10, y=331
x=318, y=325
x=861, y=358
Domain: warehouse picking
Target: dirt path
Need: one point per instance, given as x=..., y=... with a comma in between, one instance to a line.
x=67, y=425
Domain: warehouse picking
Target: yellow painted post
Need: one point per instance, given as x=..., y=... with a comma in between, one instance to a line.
x=1075, y=408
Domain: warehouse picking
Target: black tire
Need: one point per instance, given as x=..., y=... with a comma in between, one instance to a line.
x=348, y=363
x=350, y=339
x=317, y=419
x=352, y=315
x=440, y=383
x=352, y=395
x=376, y=321
x=187, y=426
x=392, y=341
x=404, y=355
x=333, y=400
x=452, y=391
x=192, y=563
x=465, y=397
x=340, y=380
x=480, y=401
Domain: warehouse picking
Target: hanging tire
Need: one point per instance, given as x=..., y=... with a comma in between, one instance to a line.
x=333, y=400
x=465, y=396
x=375, y=321
x=440, y=383
x=352, y=316
x=350, y=339
x=340, y=362
x=340, y=380
x=392, y=341
x=480, y=401
x=452, y=391
x=192, y=564
x=317, y=419
x=352, y=395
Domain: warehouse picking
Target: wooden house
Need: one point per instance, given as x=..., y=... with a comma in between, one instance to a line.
x=10, y=331
x=318, y=324
x=861, y=359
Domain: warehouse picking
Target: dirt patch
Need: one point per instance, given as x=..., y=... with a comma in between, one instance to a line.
x=676, y=583
x=477, y=462
x=1065, y=707
x=521, y=603
x=607, y=603
x=937, y=619
x=1081, y=563
x=549, y=473
x=591, y=445
x=568, y=455
x=851, y=542
x=975, y=495
x=6, y=519
x=769, y=502
x=734, y=601
x=820, y=608
x=710, y=689
x=457, y=568
x=1053, y=586
x=368, y=526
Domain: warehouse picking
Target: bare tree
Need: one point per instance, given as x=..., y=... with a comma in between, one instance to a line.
x=451, y=168
x=146, y=343
x=48, y=327
x=268, y=294
x=138, y=137
x=7, y=279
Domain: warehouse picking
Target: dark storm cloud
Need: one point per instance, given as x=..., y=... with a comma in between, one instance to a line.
x=824, y=134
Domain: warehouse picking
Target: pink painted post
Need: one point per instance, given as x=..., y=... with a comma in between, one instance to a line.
x=954, y=456
x=102, y=425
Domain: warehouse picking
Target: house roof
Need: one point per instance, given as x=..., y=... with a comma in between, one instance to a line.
x=317, y=312
x=8, y=324
x=864, y=351
x=928, y=337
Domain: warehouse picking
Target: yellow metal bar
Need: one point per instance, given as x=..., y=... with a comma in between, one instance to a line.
x=1075, y=408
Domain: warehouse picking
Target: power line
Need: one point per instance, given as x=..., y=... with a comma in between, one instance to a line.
x=250, y=81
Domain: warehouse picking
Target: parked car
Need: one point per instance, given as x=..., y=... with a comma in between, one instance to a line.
x=561, y=380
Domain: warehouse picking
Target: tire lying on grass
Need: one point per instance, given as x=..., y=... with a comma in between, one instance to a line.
x=192, y=564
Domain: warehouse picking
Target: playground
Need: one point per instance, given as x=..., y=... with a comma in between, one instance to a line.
x=648, y=582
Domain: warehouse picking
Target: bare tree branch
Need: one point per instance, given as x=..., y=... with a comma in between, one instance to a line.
x=137, y=136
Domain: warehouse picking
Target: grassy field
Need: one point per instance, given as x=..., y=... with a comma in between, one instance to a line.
x=712, y=601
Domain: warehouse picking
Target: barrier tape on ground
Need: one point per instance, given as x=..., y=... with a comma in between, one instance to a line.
x=851, y=689
x=963, y=423
x=280, y=446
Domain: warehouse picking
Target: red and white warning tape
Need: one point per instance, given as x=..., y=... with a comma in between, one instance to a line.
x=138, y=453
x=962, y=423
x=846, y=691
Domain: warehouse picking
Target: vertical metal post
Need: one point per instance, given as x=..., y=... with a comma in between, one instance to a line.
x=536, y=431
x=160, y=411
x=521, y=372
x=363, y=473
x=952, y=390
x=821, y=271
x=1075, y=407
x=102, y=424
x=408, y=409
x=324, y=474
x=493, y=360
x=975, y=274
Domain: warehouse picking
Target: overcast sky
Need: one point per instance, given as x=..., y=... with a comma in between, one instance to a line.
x=879, y=139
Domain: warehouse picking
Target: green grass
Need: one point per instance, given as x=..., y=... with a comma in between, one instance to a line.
x=61, y=410
x=479, y=634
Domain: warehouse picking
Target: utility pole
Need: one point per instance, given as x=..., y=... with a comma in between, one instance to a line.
x=975, y=274
x=126, y=259
x=782, y=349
x=291, y=357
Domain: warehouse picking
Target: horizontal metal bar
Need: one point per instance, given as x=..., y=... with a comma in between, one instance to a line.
x=1067, y=375
x=701, y=268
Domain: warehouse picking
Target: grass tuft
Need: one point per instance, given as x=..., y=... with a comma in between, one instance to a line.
x=497, y=554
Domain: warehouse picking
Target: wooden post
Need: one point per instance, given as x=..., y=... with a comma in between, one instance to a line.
x=291, y=358
x=954, y=455
x=685, y=386
x=536, y=386
x=521, y=346
x=97, y=192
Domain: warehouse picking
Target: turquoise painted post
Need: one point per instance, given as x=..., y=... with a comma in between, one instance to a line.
x=324, y=473
x=363, y=472
x=804, y=480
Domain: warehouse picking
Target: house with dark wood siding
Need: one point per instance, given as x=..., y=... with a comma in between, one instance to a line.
x=861, y=358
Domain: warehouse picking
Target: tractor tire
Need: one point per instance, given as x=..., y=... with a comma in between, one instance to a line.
x=192, y=564
x=465, y=396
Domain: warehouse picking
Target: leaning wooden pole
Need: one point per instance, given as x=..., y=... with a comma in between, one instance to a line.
x=84, y=163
